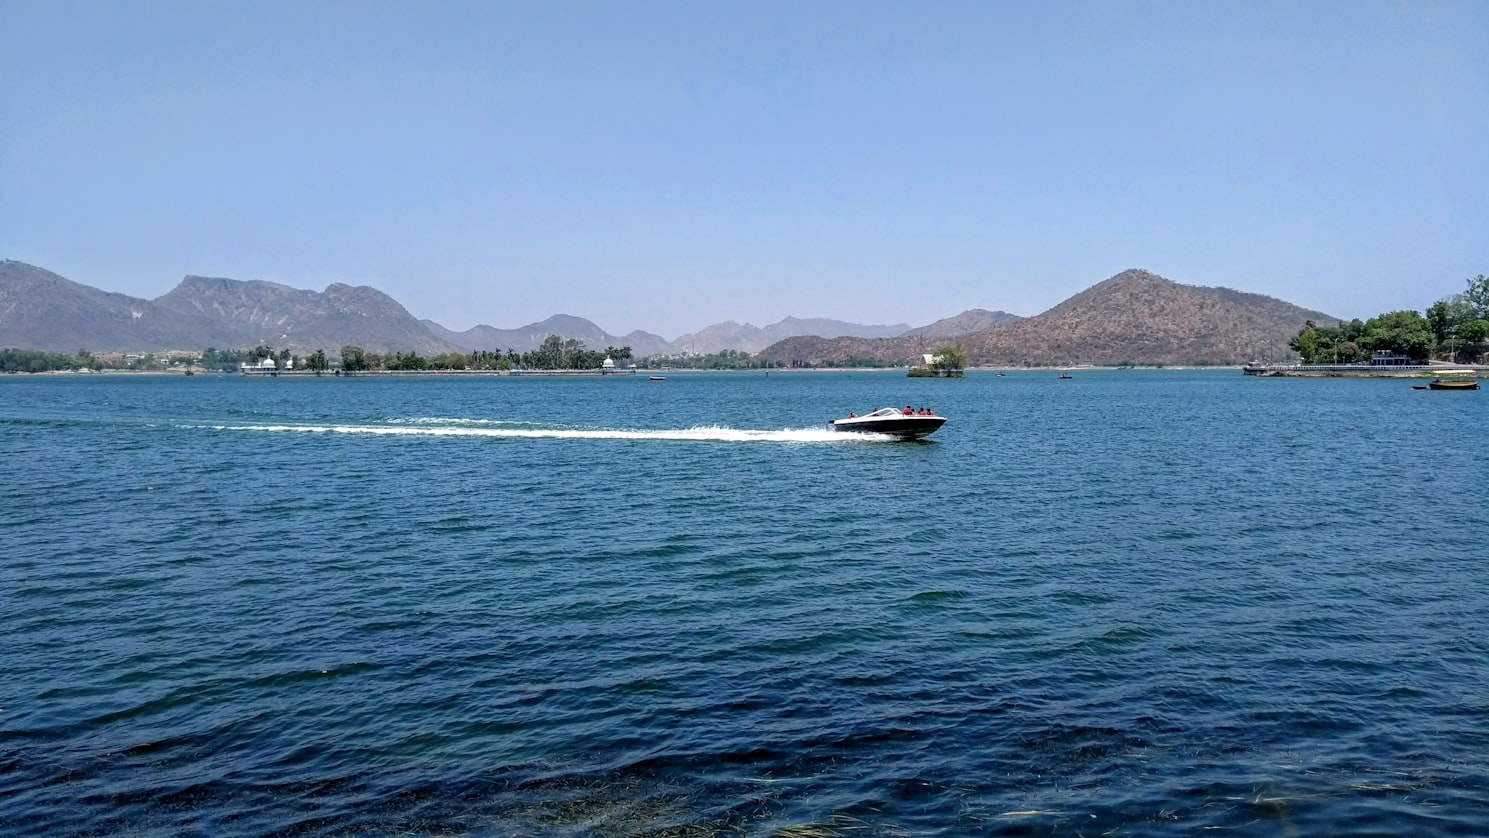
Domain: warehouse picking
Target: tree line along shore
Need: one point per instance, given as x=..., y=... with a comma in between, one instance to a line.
x=1453, y=329
x=556, y=354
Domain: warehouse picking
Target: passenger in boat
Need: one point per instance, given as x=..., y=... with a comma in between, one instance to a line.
x=852, y=415
x=930, y=412
x=907, y=410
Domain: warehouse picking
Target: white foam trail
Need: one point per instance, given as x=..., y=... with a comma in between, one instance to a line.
x=500, y=430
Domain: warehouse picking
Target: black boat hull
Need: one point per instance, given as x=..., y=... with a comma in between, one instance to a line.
x=907, y=427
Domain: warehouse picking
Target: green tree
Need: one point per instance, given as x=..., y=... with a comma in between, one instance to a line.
x=950, y=357
x=727, y=359
x=226, y=360
x=573, y=356
x=317, y=362
x=482, y=360
x=1406, y=332
x=1474, y=331
x=1477, y=295
x=1446, y=316
x=1350, y=352
x=353, y=359
x=405, y=361
x=548, y=356
x=31, y=360
x=1307, y=344
x=449, y=361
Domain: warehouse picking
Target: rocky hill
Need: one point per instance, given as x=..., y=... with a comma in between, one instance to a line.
x=254, y=312
x=41, y=310
x=1135, y=317
x=968, y=322
x=748, y=338
x=531, y=336
x=1140, y=317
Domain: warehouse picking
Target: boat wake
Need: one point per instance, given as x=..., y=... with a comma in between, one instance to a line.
x=526, y=430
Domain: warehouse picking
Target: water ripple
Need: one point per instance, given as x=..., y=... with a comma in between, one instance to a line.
x=1165, y=604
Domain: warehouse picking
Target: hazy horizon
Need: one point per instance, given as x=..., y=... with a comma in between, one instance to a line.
x=667, y=166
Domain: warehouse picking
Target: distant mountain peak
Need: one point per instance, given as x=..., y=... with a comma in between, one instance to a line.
x=748, y=338
x=968, y=322
x=1135, y=316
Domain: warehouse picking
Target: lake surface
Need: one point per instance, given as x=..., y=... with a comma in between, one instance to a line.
x=1129, y=603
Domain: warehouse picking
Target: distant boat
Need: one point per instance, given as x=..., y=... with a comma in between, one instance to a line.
x=1067, y=376
x=1467, y=384
x=658, y=378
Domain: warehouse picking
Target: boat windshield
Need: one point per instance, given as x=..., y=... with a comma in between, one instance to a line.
x=885, y=411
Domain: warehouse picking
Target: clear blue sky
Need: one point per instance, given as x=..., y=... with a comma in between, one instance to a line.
x=664, y=166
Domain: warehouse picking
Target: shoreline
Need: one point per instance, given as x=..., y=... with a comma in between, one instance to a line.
x=1434, y=370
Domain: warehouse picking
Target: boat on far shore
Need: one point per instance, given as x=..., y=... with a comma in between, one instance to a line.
x=1453, y=384
x=890, y=421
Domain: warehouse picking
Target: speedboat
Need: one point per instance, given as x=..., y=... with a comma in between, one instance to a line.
x=890, y=421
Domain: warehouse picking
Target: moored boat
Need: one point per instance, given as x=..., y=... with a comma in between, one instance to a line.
x=1451, y=384
x=890, y=421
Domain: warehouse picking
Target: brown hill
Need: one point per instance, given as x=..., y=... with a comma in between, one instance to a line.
x=971, y=321
x=1140, y=317
x=1135, y=317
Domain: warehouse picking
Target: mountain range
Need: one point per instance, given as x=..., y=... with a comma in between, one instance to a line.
x=529, y=337
x=41, y=310
x=1133, y=317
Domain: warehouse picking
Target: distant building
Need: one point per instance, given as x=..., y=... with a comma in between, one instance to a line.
x=609, y=367
x=1392, y=359
x=933, y=366
x=263, y=367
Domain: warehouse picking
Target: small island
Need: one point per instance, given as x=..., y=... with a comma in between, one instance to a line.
x=946, y=362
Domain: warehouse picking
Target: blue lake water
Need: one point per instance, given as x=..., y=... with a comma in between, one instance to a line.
x=1128, y=603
